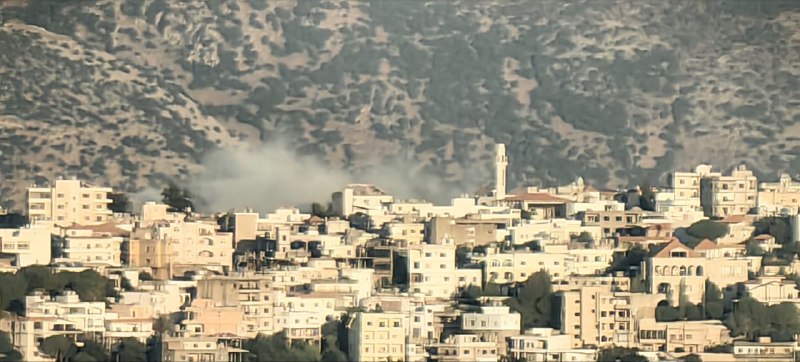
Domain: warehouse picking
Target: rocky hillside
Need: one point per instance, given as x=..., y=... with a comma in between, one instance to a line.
x=129, y=93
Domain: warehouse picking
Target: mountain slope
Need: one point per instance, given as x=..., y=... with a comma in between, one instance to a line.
x=132, y=92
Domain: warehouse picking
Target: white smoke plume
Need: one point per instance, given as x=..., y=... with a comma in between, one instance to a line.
x=272, y=176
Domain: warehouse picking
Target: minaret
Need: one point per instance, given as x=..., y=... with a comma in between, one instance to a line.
x=500, y=165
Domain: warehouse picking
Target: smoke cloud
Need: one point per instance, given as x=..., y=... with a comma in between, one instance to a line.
x=272, y=176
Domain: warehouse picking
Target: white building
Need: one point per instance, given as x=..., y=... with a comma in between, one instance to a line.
x=28, y=245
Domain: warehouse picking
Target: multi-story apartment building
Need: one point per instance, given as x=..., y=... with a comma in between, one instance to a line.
x=360, y=198
x=204, y=317
x=599, y=316
x=30, y=245
x=591, y=261
x=551, y=231
x=545, y=344
x=734, y=194
x=92, y=246
x=612, y=222
x=772, y=290
x=69, y=202
x=126, y=321
x=464, y=230
x=205, y=349
x=377, y=336
x=87, y=317
x=432, y=269
x=174, y=248
x=493, y=324
x=253, y=295
x=26, y=334
x=687, y=336
x=773, y=197
x=674, y=268
x=514, y=266
x=465, y=348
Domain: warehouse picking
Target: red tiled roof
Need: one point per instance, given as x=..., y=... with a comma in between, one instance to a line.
x=764, y=237
x=107, y=228
x=539, y=197
x=734, y=219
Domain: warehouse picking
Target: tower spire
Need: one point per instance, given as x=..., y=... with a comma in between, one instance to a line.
x=500, y=165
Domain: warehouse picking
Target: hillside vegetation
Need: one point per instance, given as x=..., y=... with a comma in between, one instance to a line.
x=130, y=93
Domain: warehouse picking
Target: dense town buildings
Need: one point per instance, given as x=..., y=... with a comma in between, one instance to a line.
x=564, y=273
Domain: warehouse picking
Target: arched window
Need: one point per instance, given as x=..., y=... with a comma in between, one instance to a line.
x=663, y=288
x=675, y=270
x=699, y=270
x=206, y=254
x=691, y=270
x=683, y=270
x=658, y=270
x=493, y=276
x=509, y=276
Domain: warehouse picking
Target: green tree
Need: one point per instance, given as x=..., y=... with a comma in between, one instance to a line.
x=331, y=348
x=621, y=354
x=462, y=255
x=533, y=300
x=131, y=350
x=472, y=294
x=585, y=238
x=707, y=229
x=178, y=199
x=713, y=304
x=276, y=348
x=119, y=203
x=778, y=227
x=7, y=351
x=750, y=318
x=85, y=357
x=59, y=347
x=692, y=358
x=493, y=290
x=93, y=350
x=752, y=248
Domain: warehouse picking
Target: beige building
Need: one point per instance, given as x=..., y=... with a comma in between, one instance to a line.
x=551, y=231
x=127, y=321
x=545, y=344
x=99, y=245
x=612, y=222
x=464, y=230
x=493, y=324
x=765, y=350
x=377, y=336
x=432, y=270
x=689, y=336
x=465, y=348
x=253, y=295
x=205, y=318
x=205, y=349
x=774, y=197
x=517, y=265
x=360, y=198
x=69, y=202
x=672, y=267
x=772, y=290
x=598, y=316
x=30, y=245
x=87, y=317
x=172, y=249
x=27, y=332
x=684, y=192
x=734, y=194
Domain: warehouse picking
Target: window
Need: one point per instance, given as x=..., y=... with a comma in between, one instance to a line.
x=396, y=324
